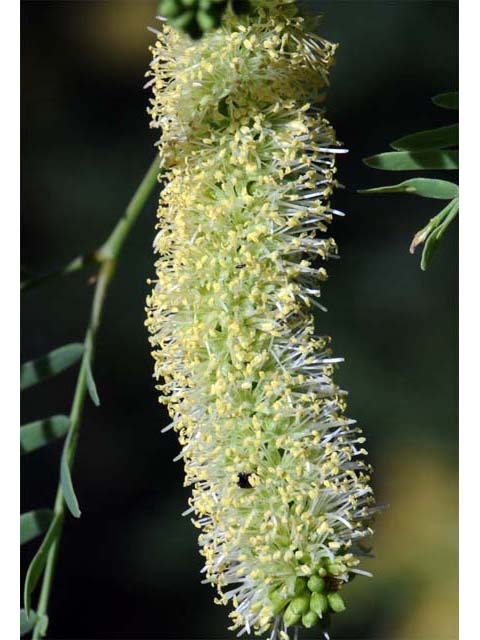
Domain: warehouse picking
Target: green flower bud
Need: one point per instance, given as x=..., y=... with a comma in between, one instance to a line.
x=276, y=595
x=318, y=604
x=336, y=568
x=300, y=586
x=309, y=619
x=279, y=600
x=322, y=572
x=316, y=584
x=299, y=605
x=336, y=602
x=289, y=617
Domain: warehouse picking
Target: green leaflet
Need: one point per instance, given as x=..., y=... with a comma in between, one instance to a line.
x=419, y=151
x=425, y=187
x=446, y=100
x=53, y=363
x=38, y=563
x=34, y=523
x=413, y=160
x=27, y=624
x=431, y=139
x=66, y=482
x=91, y=386
x=435, y=232
x=39, y=433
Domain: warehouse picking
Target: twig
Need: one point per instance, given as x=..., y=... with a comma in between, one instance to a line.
x=107, y=257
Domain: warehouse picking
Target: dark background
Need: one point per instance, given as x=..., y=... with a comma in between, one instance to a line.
x=129, y=567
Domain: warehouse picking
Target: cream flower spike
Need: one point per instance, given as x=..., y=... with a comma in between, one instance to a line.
x=280, y=489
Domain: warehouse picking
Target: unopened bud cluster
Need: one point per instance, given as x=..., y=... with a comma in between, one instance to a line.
x=309, y=601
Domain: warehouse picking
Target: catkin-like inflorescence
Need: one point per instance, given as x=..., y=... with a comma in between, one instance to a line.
x=280, y=489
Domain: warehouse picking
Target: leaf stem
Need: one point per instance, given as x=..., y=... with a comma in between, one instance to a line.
x=74, y=265
x=107, y=257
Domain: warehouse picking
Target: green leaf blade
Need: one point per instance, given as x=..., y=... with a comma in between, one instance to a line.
x=432, y=242
x=447, y=100
x=34, y=523
x=50, y=365
x=38, y=563
x=425, y=187
x=91, y=386
x=438, y=138
x=67, y=484
x=41, y=432
x=431, y=245
x=410, y=160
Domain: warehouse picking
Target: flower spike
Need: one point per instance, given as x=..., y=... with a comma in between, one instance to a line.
x=280, y=488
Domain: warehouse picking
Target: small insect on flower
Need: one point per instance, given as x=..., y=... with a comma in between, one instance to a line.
x=280, y=486
x=244, y=481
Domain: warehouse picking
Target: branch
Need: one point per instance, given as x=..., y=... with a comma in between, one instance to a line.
x=107, y=256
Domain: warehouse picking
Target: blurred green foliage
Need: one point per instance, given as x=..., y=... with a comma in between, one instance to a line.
x=430, y=149
x=196, y=17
